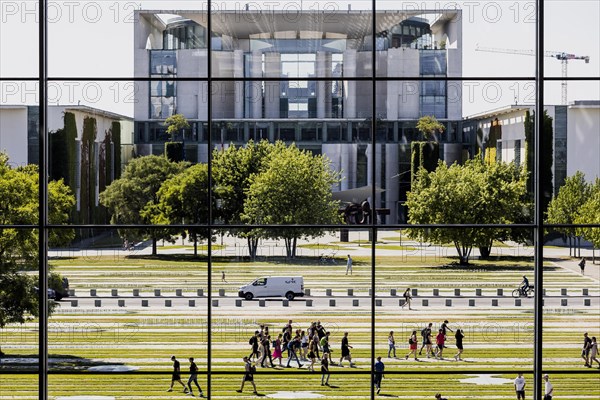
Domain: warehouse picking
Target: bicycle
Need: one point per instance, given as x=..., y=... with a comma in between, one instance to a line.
x=523, y=293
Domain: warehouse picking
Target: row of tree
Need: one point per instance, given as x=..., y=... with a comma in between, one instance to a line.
x=259, y=184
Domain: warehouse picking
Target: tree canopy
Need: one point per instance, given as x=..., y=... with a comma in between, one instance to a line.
x=293, y=188
x=127, y=197
x=429, y=125
x=176, y=123
x=19, y=246
x=589, y=213
x=473, y=193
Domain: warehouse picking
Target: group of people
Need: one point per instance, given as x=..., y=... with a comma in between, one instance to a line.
x=307, y=345
x=427, y=342
x=176, y=377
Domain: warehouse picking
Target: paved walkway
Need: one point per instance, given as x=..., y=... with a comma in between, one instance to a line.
x=591, y=271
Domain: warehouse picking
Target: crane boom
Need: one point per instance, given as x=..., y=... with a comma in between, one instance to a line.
x=564, y=58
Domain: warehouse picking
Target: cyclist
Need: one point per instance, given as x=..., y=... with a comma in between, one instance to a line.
x=524, y=285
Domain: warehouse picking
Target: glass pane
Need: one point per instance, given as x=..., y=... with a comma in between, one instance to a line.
x=121, y=39
x=573, y=52
x=291, y=39
x=426, y=293
x=455, y=39
x=275, y=295
x=125, y=309
x=19, y=35
x=19, y=130
x=317, y=122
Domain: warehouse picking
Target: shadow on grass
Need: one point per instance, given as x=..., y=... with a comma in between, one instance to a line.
x=242, y=260
x=57, y=362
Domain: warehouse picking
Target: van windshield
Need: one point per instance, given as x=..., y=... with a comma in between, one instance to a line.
x=260, y=282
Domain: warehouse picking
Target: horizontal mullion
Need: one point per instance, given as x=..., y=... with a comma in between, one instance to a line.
x=284, y=79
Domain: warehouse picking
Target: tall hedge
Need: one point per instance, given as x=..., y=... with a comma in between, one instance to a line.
x=547, y=157
x=424, y=154
x=116, y=139
x=63, y=147
x=87, y=191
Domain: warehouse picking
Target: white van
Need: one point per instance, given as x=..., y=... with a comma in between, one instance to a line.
x=274, y=286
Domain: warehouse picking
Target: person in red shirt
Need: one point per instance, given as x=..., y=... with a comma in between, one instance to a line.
x=439, y=341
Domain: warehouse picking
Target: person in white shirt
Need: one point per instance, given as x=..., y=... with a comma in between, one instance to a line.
x=520, y=386
x=548, y=388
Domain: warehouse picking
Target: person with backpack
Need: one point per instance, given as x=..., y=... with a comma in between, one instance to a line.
x=425, y=333
x=407, y=298
x=254, y=342
x=412, y=345
x=287, y=337
x=291, y=347
x=249, y=371
x=582, y=265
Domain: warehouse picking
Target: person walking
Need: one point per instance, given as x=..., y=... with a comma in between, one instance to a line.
x=412, y=345
x=254, y=342
x=548, y=388
x=594, y=353
x=325, y=369
x=176, y=377
x=193, y=378
x=458, y=336
x=325, y=346
x=266, y=351
x=291, y=347
x=440, y=339
x=304, y=345
x=249, y=371
x=379, y=368
x=585, y=350
x=582, y=265
x=346, y=350
x=425, y=332
x=277, y=353
x=520, y=386
x=446, y=328
x=391, y=344
x=223, y=277
x=313, y=349
x=349, y=265
x=407, y=298
x=315, y=341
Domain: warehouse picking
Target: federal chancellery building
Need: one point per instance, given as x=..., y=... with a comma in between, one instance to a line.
x=305, y=78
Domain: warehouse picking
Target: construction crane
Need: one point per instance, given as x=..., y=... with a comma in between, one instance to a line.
x=564, y=58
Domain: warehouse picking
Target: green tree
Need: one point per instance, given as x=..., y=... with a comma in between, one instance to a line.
x=294, y=188
x=429, y=126
x=176, y=124
x=231, y=170
x=127, y=197
x=589, y=213
x=183, y=199
x=19, y=247
x=474, y=193
x=565, y=207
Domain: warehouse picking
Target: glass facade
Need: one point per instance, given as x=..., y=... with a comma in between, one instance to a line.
x=347, y=88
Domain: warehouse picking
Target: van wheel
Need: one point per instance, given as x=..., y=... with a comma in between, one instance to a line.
x=248, y=296
x=289, y=296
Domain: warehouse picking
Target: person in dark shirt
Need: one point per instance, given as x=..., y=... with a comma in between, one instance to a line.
x=524, y=284
x=249, y=370
x=254, y=343
x=379, y=368
x=585, y=350
x=346, y=350
x=438, y=396
x=266, y=344
x=459, y=343
x=325, y=369
x=446, y=328
x=425, y=332
x=176, y=377
x=194, y=377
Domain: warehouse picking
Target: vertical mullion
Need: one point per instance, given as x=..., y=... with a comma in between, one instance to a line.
x=210, y=201
x=43, y=205
x=538, y=213
x=374, y=182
